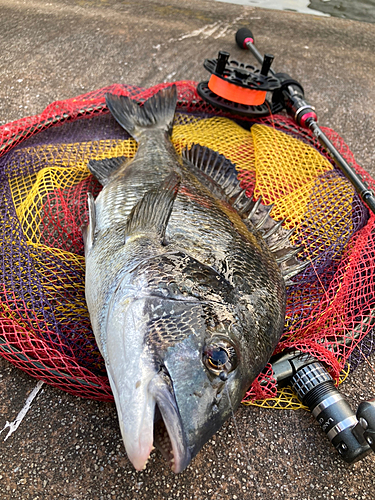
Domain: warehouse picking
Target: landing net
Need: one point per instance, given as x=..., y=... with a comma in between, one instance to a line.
x=44, y=323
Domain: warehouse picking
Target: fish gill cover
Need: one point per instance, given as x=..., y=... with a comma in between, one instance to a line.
x=44, y=323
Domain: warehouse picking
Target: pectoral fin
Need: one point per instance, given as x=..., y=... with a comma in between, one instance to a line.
x=88, y=230
x=151, y=214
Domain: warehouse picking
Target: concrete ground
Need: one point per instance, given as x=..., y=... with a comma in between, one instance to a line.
x=70, y=448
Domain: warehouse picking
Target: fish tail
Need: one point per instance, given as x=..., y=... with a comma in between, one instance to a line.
x=156, y=113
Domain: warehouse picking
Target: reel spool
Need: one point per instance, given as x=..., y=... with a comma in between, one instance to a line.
x=240, y=88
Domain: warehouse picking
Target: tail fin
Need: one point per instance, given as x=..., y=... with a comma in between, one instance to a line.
x=157, y=112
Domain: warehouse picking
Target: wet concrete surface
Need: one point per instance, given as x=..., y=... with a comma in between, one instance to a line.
x=70, y=448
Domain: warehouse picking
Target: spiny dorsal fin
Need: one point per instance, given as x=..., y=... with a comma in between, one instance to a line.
x=277, y=238
x=216, y=167
x=223, y=173
x=291, y=269
x=102, y=169
x=151, y=214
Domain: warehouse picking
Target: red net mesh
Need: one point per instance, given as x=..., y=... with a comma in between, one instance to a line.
x=44, y=324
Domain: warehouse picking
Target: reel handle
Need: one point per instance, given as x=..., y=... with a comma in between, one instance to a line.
x=291, y=96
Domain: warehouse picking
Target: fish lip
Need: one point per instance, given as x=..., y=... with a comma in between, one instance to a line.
x=161, y=389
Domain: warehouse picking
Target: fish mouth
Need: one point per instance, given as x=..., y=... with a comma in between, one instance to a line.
x=169, y=435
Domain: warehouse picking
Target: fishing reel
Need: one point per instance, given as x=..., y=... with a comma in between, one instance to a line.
x=240, y=88
x=352, y=434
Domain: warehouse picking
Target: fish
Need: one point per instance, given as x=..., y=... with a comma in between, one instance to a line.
x=185, y=284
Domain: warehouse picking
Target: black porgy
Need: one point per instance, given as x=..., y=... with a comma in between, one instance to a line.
x=185, y=285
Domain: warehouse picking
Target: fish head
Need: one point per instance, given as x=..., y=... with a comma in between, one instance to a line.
x=208, y=381
x=176, y=374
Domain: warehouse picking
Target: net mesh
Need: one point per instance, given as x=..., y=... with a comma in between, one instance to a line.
x=44, y=324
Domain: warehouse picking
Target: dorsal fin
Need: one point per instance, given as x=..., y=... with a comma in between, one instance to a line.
x=223, y=173
x=151, y=214
x=277, y=238
x=102, y=169
x=218, y=169
x=291, y=269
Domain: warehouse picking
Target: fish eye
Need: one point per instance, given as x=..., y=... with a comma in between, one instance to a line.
x=219, y=357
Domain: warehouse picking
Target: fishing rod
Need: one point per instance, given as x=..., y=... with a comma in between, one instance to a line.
x=242, y=89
